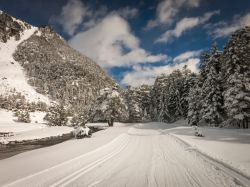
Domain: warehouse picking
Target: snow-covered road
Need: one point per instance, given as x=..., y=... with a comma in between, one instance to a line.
x=141, y=155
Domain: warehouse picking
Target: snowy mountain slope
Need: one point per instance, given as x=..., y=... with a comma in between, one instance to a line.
x=57, y=70
x=12, y=76
x=42, y=58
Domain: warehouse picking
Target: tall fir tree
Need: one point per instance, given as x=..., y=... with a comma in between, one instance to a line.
x=212, y=100
x=236, y=75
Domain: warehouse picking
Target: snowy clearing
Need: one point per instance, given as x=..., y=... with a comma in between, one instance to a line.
x=124, y=155
x=37, y=129
x=12, y=76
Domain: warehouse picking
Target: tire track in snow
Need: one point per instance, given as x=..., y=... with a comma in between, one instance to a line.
x=239, y=177
x=70, y=178
x=30, y=178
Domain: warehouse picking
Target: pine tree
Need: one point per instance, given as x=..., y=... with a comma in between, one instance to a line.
x=57, y=115
x=189, y=79
x=236, y=75
x=194, y=105
x=138, y=101
x=212, y=100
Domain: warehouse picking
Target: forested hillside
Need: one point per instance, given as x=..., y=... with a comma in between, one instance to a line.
x=57, y=70
x=218, y=95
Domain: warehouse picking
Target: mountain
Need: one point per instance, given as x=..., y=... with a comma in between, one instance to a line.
x=39, y=64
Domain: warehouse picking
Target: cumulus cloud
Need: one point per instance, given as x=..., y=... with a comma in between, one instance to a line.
x=111, y=44
x=75, y=14
x=71, y=16
x=147, y=75
x=183, y=57
x=184, y=25
x=223, y=29
x=98, y=15
x=168, y=9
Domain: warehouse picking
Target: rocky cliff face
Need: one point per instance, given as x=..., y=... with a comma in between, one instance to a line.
x=52, y=67
x=10, y=27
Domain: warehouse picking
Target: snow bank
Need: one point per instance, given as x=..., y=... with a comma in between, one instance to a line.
x=12, y=76
x=228, y=146
x=37, y=134
x=35, y=130
x=8, y=123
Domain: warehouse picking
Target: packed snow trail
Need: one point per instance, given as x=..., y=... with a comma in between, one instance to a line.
x=142, y=156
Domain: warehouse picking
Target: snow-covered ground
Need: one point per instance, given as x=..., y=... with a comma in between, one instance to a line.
x=124, y=155
x=37, y=129
x=12, y=75
x=8, y=123
x=229, y=146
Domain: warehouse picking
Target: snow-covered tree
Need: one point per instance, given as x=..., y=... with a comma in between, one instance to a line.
x=138, y=101
x=236, y=75
x=211, y=91
x=194, y=105
x=170, y=95
x=81, y=118
x=110, y=106
x=57, y=115
x=189, y=80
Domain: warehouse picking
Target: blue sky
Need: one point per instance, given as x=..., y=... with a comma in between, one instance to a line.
x=134, y=41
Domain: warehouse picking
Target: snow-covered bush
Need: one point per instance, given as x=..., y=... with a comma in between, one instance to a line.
x=56, y=115
x=81, y=132
x=198, y=131
x=3, y=140
x=23, y=115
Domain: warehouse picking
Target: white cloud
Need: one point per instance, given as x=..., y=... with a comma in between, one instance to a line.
x=184, y=25
x=187, y=55
x=127, y=12
x=111, y=44
x=72, y=15
x=99, y=14
x=168, y=9
x=223, y=29
x=147, y=75
x=96, y=17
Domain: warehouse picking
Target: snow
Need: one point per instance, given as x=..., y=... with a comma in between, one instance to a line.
x=38, y=33
x=124, y=155
x=81, y=131
x=12, y=76
x=229, y=146
x=37, y=134
x=8, y=123
x=35, y=130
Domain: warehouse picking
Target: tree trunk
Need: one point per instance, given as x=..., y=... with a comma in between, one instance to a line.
x=111, y=122
x=243, y=123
